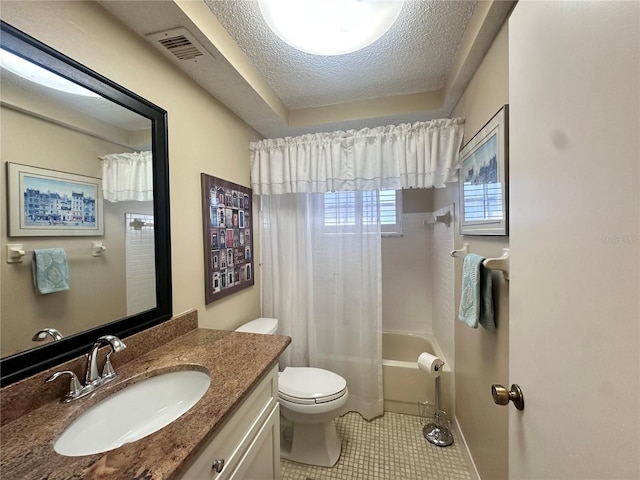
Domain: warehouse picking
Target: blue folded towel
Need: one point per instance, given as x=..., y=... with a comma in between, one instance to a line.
x=50, y=270
x=476, y=301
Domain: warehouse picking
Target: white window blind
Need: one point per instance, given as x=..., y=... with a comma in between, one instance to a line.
x=483, y=202
x=346, y=210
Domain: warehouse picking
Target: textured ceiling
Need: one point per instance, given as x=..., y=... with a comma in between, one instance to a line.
x=415, y=55
x=417, y=71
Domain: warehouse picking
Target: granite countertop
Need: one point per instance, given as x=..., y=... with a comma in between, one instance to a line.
x=236, y=362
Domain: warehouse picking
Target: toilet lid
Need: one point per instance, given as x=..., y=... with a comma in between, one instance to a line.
x=309, y=385
x=260, y=325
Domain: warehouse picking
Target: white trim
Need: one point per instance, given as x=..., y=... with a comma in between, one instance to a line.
x=467, y=453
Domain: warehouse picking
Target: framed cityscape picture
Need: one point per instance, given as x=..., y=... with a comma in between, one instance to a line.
x=43, y=202
x=483, y=179
x=228, y=237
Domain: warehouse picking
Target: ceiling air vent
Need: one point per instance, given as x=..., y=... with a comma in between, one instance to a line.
x=178, y=43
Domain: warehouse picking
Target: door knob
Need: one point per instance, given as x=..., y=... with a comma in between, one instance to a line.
x=217, y=465
x=502, y=396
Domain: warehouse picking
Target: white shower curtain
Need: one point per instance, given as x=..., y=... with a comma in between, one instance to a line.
x=325, y=288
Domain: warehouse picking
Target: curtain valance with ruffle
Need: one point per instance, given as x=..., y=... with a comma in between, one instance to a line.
x=419, y=155
x=127, y=176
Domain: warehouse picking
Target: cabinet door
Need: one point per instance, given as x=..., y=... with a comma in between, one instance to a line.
x=232, y=442
x=262, y=460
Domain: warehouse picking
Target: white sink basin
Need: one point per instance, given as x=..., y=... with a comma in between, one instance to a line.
x=133, y=413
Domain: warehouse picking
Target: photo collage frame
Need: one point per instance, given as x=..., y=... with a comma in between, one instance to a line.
x=228, y=231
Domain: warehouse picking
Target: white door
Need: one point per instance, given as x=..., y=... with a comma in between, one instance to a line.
x=574, y=223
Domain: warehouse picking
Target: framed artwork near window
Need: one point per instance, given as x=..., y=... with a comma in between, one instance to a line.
x=484, y=179
x=48, y=203
x=228, y=247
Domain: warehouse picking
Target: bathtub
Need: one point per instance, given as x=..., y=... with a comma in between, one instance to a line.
x=404, y=384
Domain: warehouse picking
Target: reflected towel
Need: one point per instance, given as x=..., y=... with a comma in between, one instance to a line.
x=476, y=301
x=50, y=270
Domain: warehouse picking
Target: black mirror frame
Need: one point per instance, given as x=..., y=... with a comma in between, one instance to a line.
x=30, y=362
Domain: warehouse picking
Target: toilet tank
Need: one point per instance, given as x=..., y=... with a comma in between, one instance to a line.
x=268, y=326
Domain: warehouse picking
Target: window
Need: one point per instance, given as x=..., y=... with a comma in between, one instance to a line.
x=483, y=202
x=343, y=210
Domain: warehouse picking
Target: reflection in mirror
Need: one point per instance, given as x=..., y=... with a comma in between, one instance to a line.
x=62, y=125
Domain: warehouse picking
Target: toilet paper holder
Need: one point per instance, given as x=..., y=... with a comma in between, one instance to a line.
x=436, y=423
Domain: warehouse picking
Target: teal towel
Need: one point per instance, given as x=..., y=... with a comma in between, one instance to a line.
x=50, y=270
x=476, y=301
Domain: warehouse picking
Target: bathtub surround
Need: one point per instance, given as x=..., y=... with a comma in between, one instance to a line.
x=405, y=385
x=417, y=275
x=442, y=287
x=407, y=293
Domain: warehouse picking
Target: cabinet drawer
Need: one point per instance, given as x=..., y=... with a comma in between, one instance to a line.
x=236, y=434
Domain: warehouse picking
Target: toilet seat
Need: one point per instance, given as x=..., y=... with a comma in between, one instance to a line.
x=310, y=386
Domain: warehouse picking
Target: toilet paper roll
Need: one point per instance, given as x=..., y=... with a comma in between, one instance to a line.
x=430, y=363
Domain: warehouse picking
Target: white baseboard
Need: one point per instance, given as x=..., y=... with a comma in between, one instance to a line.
x=474, y=471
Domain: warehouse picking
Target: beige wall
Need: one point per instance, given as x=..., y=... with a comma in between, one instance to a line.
x=36, y=142
x=482, y=356
x=204, y=136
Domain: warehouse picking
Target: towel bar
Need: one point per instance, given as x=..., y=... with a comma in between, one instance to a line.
x=461, y=251
x=500, y=263
x=15, y=251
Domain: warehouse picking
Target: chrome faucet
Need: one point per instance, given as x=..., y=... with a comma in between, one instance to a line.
x=92, y=376
x=46, y=332
x=93, y=379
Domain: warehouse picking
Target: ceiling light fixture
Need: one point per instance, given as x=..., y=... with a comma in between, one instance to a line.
x=330, y=27
x=39, y=75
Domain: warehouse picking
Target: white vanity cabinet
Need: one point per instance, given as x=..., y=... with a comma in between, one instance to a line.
x=247, y=447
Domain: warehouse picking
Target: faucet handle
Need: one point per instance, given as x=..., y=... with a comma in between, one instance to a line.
x=75, y=387
x=117, y=345
x=107, y=370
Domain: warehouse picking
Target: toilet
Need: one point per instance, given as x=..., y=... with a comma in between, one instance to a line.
x=310, y=400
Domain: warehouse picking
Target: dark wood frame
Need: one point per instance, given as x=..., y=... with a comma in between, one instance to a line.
x=30, y=362
x=211, y=224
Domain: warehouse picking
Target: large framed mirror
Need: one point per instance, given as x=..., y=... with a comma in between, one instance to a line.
x=71, y=133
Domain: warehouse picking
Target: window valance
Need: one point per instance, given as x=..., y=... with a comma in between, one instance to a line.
x=127, y=176
x=418, y=155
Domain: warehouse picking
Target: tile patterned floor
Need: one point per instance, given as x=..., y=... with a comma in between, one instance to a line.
x=388, y=448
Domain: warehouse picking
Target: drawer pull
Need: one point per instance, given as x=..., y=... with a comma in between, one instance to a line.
x=218, y=465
